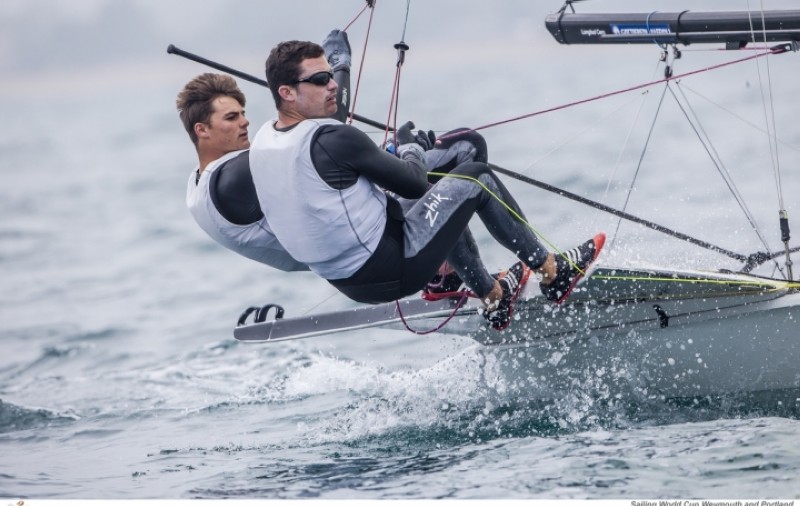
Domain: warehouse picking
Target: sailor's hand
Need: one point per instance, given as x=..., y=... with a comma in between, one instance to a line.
x=426, y=140
x=460, y=136
x=456, y=147
x=337, y=50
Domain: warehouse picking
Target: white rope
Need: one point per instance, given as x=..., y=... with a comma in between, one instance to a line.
x=767, y=103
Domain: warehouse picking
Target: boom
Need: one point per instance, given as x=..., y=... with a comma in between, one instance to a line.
x=735, y=29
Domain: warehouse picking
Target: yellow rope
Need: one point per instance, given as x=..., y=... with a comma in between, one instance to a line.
x=513, y=213
x=503, y=203
x=772, y=284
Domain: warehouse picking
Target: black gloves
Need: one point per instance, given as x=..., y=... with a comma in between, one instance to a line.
x=406, y=136
x=337, y=50
x=460, y=136
x=454, y=148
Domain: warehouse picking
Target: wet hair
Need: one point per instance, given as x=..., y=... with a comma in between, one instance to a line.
x=283, y=64
x=195, y=101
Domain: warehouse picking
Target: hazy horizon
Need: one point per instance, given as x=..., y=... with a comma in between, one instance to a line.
x=51, y=47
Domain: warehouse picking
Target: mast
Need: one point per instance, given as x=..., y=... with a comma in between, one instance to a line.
x=733, y=28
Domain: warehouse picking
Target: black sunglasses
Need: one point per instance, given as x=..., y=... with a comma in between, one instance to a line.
x=318, y=79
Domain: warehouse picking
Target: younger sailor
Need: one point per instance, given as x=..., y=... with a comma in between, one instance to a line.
x=220, y=194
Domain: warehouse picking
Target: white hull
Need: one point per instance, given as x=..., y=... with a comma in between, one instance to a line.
x=753, y=350
x=671, y=339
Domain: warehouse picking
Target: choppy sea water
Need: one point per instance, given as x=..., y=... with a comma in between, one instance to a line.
x=119, y=376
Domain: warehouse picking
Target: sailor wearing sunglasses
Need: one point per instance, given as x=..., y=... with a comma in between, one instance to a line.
x=330, y=196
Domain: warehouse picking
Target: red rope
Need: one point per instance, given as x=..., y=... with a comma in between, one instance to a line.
x=632, y=88
x=355, y=18
x=397, y=102
x=392, y=101
x=452, y=315
x=361, y=65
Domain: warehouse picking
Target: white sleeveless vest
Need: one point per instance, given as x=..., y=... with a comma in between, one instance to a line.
x=333, y=231
x=255, y=241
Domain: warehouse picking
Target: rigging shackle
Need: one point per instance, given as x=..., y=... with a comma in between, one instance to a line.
x=676, y=55
x=785, y=236
x=401, y=47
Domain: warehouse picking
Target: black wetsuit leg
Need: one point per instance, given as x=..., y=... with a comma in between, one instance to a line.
x=435, y=222
x=430, y=230
x=464, y=258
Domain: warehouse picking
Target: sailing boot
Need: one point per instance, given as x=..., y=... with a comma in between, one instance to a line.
x=512, y=282
x=570, y=272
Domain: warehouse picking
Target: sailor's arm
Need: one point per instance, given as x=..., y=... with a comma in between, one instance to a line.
x=341, y=153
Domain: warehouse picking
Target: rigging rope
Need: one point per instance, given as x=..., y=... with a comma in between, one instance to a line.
x=773, y=149
x=405, y=23
x=641, y=159
x=716, y=159
x=591, y=127
x=392, y=106
x=371, y=5
x=622, y=152
x=774, y=50
x=348, y=25
x=394, y=101
x=737, y=116
x=773, y=146
x=452, y=315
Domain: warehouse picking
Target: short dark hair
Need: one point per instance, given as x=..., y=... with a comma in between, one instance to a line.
x=283, y=63
x=195, y=101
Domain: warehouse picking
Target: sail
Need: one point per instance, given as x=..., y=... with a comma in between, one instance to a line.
x=735, y=29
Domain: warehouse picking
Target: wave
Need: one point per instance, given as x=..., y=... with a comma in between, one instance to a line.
x=15, y=418
x=462, y=399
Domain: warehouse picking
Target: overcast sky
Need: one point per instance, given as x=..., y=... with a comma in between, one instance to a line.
x=40, y=38
x=102, y=42
x=37, y=36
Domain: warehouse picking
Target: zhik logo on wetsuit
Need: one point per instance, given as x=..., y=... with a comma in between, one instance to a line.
x=433, y=201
